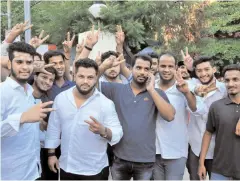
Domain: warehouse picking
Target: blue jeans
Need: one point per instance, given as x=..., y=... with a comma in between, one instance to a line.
x=125, y=170
x=217, y=176
x=169, y=169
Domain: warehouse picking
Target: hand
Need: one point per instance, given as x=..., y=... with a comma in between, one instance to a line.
x=238, y=128
x=95, y=126
x=203, y=90
x=113, y=62
x=202, y=172
x=37, y=41
x=67, y=44
x=53, y=163
x=79, y=48
x=150, y=84
x=42, y=69
x=120, y=36
x=98, y=59
x=188, y=60
x=36, y=113
x=182, y=85
x=92, y=38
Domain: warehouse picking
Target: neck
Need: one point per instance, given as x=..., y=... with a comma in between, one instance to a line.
x=136, y=87
x=82, y=96
x=60, y=81
x=164, y=85
x=235, y=98
x=36, y=92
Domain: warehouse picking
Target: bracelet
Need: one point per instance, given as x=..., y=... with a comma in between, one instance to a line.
x=105, y=134
x=51, y=154
x=88, y=48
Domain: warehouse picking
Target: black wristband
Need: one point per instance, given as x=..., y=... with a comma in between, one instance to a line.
x=88, y=48
x=51, y=154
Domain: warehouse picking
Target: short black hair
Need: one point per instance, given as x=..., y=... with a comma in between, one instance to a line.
x=144, y=57
x=169, y=54
x=108, y=54
x=153, y=55
x=202, y=59
x=231, y=67
x=49, y=69
x=86, y=63
x=39, y=55
x=52, y=53
x=20, y=47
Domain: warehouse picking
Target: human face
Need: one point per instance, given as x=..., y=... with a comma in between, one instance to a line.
x=37, y=62
x=113, y=72
x=21, y=67
x=154, y=67
x=43, y=81
x=59, y=65
x=184, y=72
x=205, y=72
x=232, y=82
x=86, y=79
x=166, y=68
x=140, y=71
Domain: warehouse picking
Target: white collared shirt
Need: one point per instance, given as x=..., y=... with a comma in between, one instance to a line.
x=197, y=124
x=172, y=137
x=82, y=151
x=20, y=144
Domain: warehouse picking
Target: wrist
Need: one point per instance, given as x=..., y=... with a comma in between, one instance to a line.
x=23, y=118
x=187, y=93
x=50, y=154
x=88, y=45
x=104, y=132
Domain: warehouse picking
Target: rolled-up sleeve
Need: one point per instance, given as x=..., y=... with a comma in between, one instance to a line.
x=201, y=107
x=52, y=139
x=10, y=126
x=111, y=121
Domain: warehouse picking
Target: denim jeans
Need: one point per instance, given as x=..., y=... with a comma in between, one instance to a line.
x=169, y=169
x=125, y=170
x=217, y=176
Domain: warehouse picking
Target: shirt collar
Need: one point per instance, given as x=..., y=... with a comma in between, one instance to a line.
x=66, y=83
x=228, y=101
x=16, y=85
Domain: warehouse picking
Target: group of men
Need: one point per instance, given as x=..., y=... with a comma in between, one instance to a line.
x=145, y=123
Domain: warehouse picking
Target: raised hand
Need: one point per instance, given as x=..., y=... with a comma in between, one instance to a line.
x=95, y=126
x=79, y=48
x=203, y=90
x=150, y=84
x=67, y=44
x=112, y=61
x=120, y=36
x=37, y=41
x=17, y=30
x=182, y=85
x=92, y=37
x=188, y=60
x=98, y=59
x=43, y=68
x=37, y=113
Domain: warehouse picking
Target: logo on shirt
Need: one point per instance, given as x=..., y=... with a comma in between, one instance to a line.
x=146, y=99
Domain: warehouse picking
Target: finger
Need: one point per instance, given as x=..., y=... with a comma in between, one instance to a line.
x=45, y=104
x=212, y=84
x=41, y=34
x=92, y=29
x=68, y=36
x=73, y=38
x=182, y=54
x=49, y=65
x=44, y=39
x=211, y=89
x=28, y=27
x=118, y=63
x=91, y=129
x=43, y=116
x=47, y=110
x=89, y=122
x=120, y=28
x=92, y=118
x=186, y=51
x=25, y=23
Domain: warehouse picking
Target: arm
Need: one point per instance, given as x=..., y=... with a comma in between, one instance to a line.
x=37, y=41
x=188, y=60
x=165, y=109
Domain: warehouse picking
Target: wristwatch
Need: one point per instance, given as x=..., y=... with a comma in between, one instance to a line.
x=105, y=133
x=51, y=154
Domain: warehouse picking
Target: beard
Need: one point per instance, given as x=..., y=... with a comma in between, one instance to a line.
x=84, y=92
x=206, y=83
x=140, y=84
x=39, y=87
x=165, y=81
x=21, y=81
x=111, y=77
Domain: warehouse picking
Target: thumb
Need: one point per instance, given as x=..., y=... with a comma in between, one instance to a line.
x=57, y=165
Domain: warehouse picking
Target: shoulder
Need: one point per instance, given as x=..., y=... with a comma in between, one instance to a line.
x=219, y=103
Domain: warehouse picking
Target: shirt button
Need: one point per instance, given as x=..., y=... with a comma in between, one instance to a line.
x=135, y=101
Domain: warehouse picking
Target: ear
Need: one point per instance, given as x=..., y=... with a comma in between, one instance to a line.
x=9, y=65
x=35, y=77
x=214, y=69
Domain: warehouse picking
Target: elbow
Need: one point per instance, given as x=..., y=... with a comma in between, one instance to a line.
x=171, y=115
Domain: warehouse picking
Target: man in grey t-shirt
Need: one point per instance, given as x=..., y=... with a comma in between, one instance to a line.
x=137, y=105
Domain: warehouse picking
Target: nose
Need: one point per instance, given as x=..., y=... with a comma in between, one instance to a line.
x=24, y=66
x=230, y=83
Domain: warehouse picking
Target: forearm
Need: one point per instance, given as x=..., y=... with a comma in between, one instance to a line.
x=67, y=65
x=205, y=145
x=165, y=109
x=85, y=52
x=124, y=70
x=10, y=38
x=191, y=100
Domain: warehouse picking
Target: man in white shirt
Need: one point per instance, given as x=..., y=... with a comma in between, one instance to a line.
x=211, y=90
x=20, y=118
x=87, y=121
x=172, y=137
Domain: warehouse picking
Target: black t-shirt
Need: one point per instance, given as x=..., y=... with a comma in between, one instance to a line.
x=222, y=119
